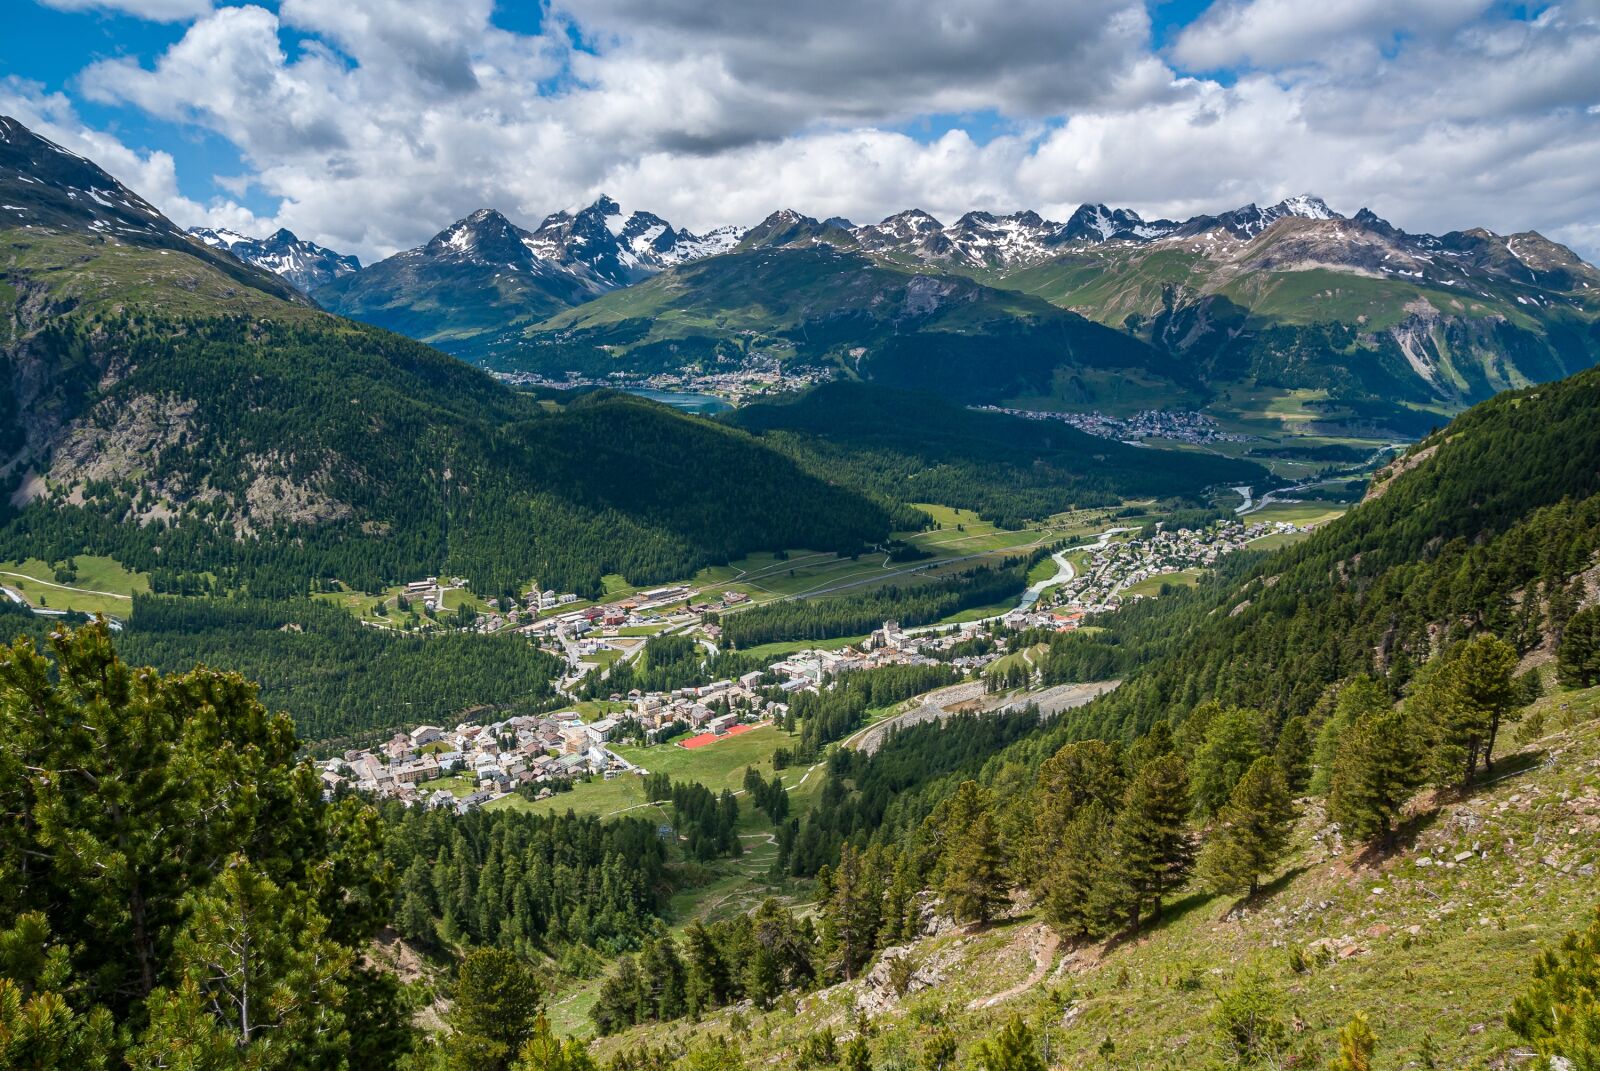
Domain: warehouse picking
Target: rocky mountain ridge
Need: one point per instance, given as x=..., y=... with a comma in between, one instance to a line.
x=305, y=265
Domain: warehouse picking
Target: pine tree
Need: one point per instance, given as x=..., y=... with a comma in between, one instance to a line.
x=662, y=973
x=1010, y=1050
x=621, y=998
x=1558, y=1013
x=706, y=982
x=1374, y=773
x=851, y=913
x=973, y=860
x=39, y=1027
x=1293, y=753
x=1363, y=695
x=1252, y=831
x=1232, y=743
x=170, y=886
x=1578, y=656
x=543, y=1051
x=261, y=966
x=1356, y=1046
x=938, y=1051
x=1249, y=1019
x=1151, y=852
x=1080, y=773
x=496, y=1003
x=1464, y=696
x=1079, y=866
x=857, y=1055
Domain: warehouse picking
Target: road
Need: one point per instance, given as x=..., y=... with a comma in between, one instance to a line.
x=1064, y=572
x=66, y=587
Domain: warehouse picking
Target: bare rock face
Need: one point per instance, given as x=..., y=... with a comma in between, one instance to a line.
x=893, y=978
x=119, y=441
x=125, y=440
x=274, y=498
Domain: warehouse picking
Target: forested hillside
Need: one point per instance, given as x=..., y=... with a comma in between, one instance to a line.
x=945, y=334
x=344, y=683
x=1005, y=468
x=1486, y=526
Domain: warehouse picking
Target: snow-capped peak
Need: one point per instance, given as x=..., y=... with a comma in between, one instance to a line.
x=219, y=238
x=304, y=265
x=1306, y=206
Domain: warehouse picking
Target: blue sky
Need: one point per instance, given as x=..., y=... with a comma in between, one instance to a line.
x=371, y=124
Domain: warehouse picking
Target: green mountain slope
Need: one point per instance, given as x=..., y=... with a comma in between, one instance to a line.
x=1388, y=324
x=1006, y=468
x=1428, y=924
x=187, y=417
x=1492, y=525
x=942, y=333
x=447, y=305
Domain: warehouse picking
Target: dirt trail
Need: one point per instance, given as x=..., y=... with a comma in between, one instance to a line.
x=1041, y=967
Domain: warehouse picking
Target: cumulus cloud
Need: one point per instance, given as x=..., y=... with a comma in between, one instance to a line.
x=154, y=10
x=373, y=123
x=842, y=60
x=1271, y=33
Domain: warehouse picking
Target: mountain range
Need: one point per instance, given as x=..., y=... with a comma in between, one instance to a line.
x=484, y=274
x=1358, y=326
x=195, y=417
x=1355, y=324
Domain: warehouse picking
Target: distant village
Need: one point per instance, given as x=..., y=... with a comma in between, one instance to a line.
x=754, y=375
x=539, y=755
x=1108, y=572
x=1179, y=425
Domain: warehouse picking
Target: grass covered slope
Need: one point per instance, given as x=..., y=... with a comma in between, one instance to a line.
x=1430, y=943
x=449, y=305
x=943, y=333
x=1008, y=469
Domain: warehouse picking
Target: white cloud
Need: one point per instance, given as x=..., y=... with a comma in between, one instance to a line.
x=1268, y=33
x=393, y=117
x=154, y=10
